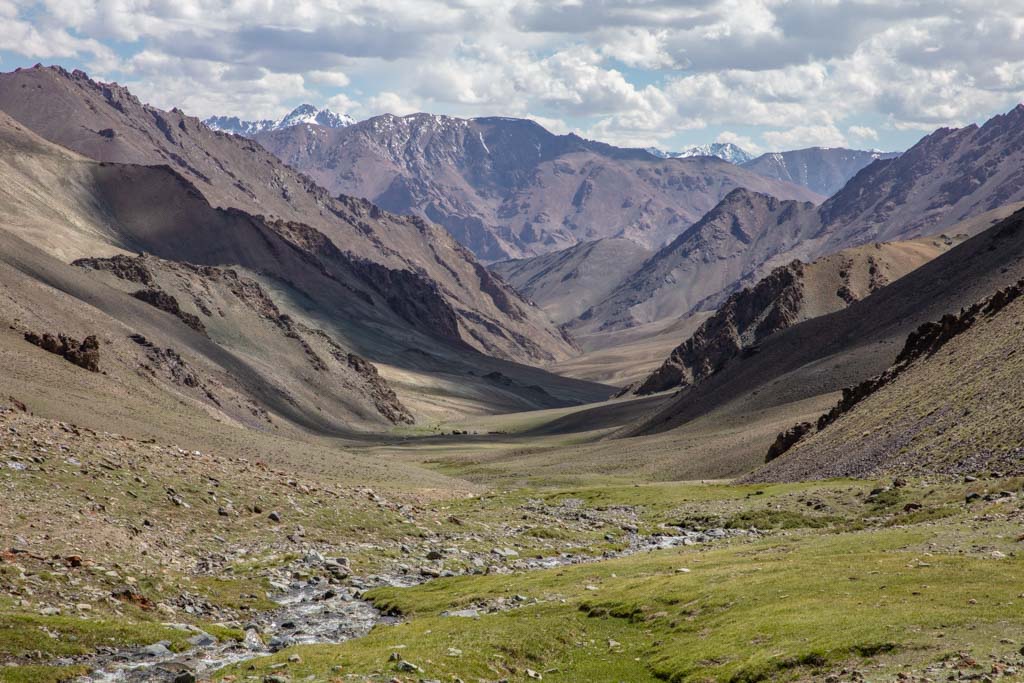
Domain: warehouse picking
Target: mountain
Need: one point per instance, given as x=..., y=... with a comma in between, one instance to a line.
x=107, y=123
x=507, y=188
x=946, y=178
x=808, y=364
x=725, y=151
x=787, y=296
x=736, y=241
x=297, y=287
x=566, y=283
x=949, y=404
x=303, y=114
x=824, y=170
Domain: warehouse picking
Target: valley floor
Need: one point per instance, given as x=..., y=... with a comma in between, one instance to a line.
x=116, y=548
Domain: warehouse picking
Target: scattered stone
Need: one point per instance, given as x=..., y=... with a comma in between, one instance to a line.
x=274, y=516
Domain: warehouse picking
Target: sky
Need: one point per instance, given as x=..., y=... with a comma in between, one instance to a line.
x=764, y=74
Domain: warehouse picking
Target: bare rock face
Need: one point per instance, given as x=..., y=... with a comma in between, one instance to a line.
x=787, y=439
x=85, y=354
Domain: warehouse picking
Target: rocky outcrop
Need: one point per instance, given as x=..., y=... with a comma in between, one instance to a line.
x=787, y=439
x=743, y=320
x=85, y=354
x=384, y=397
x=167, y=303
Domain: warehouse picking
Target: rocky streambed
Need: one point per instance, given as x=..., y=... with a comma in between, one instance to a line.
x=329, y=609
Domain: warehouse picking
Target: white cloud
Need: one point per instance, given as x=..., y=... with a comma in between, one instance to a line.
x=792, y=71
x=805, y=136
x=338, y=79
x=863, y=133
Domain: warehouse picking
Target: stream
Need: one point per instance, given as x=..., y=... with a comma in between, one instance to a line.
x=316, y=610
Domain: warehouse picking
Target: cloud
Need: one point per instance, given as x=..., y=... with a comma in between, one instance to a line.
x=334, y=78
x=637, y=72
x=863, y=133
x=805, y=136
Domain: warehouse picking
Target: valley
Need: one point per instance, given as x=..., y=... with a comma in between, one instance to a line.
x=426, y=398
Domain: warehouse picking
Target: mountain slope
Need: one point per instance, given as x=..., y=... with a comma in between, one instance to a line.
x=507, y=188
x=734, y=242
x=566, y=283
x=105, y=122
x=820, y=356
x=824, y=170
x=945, y=178
x=916, y=421
x=787, y=296
x=273, y=320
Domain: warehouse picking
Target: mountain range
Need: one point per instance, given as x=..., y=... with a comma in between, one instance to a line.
x=341, y=276
x=725, y=151
x=265, y=412
x=822, y=169
x=303, y=114
x=947, y=177
x=508, y=188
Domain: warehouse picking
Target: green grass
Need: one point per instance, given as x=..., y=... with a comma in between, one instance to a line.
x=41, y=674
x=774, y=608
x=22, y=634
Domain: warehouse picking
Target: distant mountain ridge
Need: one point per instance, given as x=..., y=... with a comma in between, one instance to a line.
x=304, y=113
x=726, y=151
x=949, y=176
x=822, y=169
x=508, y=188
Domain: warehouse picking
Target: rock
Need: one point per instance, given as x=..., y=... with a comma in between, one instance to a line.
x=971, y=497
x=274, y=516
x=408, y=667
x=295, y=659
x=185, y=677
x=155, y=650
x=202, y=640
x=530, y=673
x=435, y=555
x=276, y=678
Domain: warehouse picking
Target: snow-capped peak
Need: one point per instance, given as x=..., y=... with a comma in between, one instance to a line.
x=303, y=114
x=307, y=113
x=726, y=151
